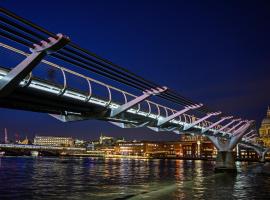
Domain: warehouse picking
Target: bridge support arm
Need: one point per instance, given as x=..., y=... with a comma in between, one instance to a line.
x=236, y=138
x=250, y=137
x=11, y=81
x=239, y=130
x=129, y=125
x=235, y=126
x=173, y=116
x=248, y=134
x=200, y=120
x=68, y=118
x=226, y=126
x=128, y=105
x=158, y=129
x=215, y=124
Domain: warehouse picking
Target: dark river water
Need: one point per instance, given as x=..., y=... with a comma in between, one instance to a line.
x=90, y=178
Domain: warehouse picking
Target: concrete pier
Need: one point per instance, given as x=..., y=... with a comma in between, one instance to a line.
x=225, y=162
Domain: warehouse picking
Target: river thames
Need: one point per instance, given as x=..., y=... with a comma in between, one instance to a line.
x=112, y=179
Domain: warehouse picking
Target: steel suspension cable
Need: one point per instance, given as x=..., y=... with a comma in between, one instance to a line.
x=74, y=58
x=170, y=95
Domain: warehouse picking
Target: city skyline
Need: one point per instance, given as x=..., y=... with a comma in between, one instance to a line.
x=225, y=47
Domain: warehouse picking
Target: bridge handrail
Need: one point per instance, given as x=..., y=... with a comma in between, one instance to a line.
x=188, y=118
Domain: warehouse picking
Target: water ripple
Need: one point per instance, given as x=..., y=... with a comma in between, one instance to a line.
x=115, y=179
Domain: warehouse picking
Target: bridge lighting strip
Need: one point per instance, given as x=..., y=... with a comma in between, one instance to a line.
x=78, y=96
x=68, y=93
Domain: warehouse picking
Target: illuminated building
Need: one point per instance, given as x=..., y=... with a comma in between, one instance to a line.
x=53, y=141
x=197, y=147
x=109, y=141
x=265, y=129
x=90, y=147
x=188, y=147
x=106, y=140
x=131, y=148
x=79, y=143
x=246, y=153
x=25, y=141
x=146, y=148
x=264, y=139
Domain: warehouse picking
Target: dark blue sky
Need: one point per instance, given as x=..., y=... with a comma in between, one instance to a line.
x=215, y=52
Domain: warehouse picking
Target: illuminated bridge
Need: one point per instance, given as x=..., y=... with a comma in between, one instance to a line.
x=47, y=150
x=70, y=83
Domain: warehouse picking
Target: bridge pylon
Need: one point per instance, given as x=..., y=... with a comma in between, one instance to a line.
x=262, y=154
x=225, y=160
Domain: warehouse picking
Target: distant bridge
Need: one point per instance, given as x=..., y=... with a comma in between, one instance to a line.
x=41, y=149
x=26, y=87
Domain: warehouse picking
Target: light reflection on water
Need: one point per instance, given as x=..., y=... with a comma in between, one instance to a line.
x=90, y=178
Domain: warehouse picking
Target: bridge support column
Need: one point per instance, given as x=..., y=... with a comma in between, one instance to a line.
x=262, y=155
x=225, y=162
x=262, y=159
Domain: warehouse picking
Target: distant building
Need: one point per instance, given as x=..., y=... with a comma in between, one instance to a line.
x=188, y=147
x=194, y=146
x=109, y=141
x=6, y=136
x=54, y=141
x=79, y=143
x=142, y=148
x=120, y=140
x=246, y=153
x=265, y=129
x=106, y=140
x=90, y=147
x=25, y=141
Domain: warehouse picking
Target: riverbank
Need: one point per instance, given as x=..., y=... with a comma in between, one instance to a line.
x=107, y=156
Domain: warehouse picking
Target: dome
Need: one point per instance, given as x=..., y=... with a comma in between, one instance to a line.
x=266, y=121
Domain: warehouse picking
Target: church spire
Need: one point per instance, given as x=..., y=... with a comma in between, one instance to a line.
x=268, y=112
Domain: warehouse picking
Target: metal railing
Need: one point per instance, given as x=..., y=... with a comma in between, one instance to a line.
x=110, y=103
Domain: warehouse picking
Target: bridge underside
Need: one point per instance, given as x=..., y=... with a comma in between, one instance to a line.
x=40, y=96
x=39, y=101
x=45, y=101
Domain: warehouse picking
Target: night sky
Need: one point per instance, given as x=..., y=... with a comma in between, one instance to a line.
x=215, y=52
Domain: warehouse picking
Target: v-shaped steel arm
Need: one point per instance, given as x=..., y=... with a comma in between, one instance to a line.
x=173, y=116
x=215, y=124
x=186, y=127
x=11, y=81
x=226, y=126
x=130, y=104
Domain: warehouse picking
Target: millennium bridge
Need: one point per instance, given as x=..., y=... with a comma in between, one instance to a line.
x=58, y=77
